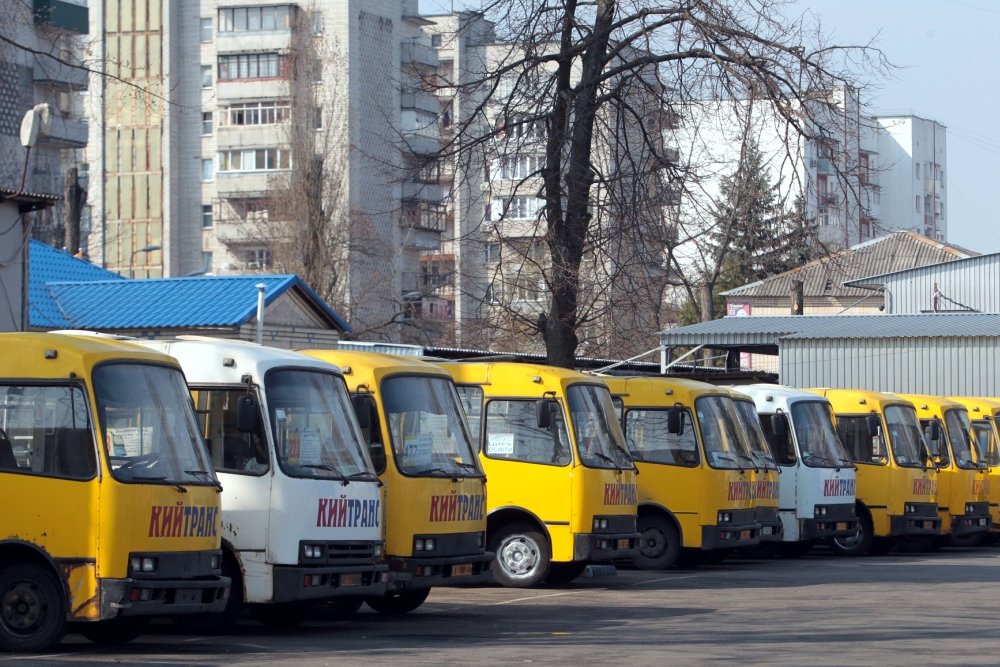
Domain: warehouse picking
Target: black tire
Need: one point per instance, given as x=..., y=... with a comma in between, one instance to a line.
x=523, y=555
x=973, y=540
x=223, y=622
x=283, y=616
x=563, y=573
x=32, y=608
x=114, y=632
x=858, y=544
x=659, y=543
x=398, y=603
x=339, y=609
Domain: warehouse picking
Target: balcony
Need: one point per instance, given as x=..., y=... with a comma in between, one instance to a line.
x=243, y=183
x=251, y=136
x=239, y=89
x=63, y=15
x=822, y=165
x=425, y=192
x=932, y=186
x=250, y=42
x=55, y=73
x=828, y=199
x=420, y=101
x=65, y=133
x=418, y=52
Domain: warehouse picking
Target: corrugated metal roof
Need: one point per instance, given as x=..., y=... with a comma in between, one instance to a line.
x=68, y=293
x=877, y=280
x=765, y=332
x=46, y=265
x=898, y=251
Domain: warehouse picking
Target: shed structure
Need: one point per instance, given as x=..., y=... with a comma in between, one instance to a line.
x=951, y=354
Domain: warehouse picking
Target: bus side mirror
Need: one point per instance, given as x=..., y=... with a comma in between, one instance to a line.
x=543, y=413
x=247, y=414
x=779, y=424
x=874, y=424
x=361, y=407
x=376, y=451
x=675, y=421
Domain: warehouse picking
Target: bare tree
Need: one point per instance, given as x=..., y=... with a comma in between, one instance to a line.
x=590, y=89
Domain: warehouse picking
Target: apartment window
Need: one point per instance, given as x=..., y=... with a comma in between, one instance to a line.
x=206, y=262
x=918, y=204
x=206, y=123
x=255, y=159
x=250, y=66
x=206, y=216
x=256, y=113
x=916, y=170
x=318, y=118
x=492, y=252
x=258, y=258
x=207, y=170
x=206, y=76
x=521, y=166
x=206, y=30
x=317, y=23
x=436, y=41
x=254, y=19
x=492, y=295
x=516, y=208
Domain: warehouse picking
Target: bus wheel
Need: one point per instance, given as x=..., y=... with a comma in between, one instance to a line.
x=973, y=540
x=659, y=543
x=398, y=603
x=32, y=608
x=522, y=555
x=283, y=616
x=563, y=573
x=857, y=544
x=114, y=632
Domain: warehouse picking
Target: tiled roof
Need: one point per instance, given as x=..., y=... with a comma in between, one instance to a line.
x=900, y=250
x=68, y=293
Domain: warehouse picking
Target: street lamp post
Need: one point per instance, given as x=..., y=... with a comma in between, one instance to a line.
x=131, y=259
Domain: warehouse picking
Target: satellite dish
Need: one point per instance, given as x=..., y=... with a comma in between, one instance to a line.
x=35, y=121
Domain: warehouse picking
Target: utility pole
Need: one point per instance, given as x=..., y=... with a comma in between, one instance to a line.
x=73, y=198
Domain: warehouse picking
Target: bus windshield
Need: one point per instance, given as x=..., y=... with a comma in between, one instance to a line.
x=959, y=435
x=720, y=433
x=759, y=450
x=426, y=427
x=598, y=436
x=316, y=434
x=818, y=443
x=986, y=439
x=151, y=432
x=905, y=436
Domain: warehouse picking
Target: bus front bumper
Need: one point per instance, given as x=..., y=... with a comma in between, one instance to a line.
x=918, y=519
x=770, y=524
x=408, y=572
x=975, y=520
x=293, y=583
x=836, y=521
x=162, y=597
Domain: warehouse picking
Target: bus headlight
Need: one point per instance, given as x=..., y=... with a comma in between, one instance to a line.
x=143, y=564
x=910, y=509
x=600, y=524
x=970, y=509
x=821, y=510
x=215, y=562
x=725, y=517
x=312, y=550
x=424, y=544
x=378, y=550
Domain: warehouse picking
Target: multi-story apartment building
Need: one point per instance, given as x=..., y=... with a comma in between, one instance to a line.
x=912, y=153
x=257, y=118
x=858, y=176
x=40, y=72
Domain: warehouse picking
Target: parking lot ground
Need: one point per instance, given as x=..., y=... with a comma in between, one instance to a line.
x=939, y=608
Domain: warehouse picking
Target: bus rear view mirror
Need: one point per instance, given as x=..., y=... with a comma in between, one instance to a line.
x=543, y=413
x=779, y=424
x=362, y=410
x=376, y=451
x=247, y=414
x=675, y=421
x=874, y=424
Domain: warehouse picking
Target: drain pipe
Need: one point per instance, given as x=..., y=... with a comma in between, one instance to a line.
x=261, y=288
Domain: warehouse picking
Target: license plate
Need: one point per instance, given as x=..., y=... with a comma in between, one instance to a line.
x=353, y=579
x=187, y=596
x=624, y=543
x=841, y=525
x=928, y=524
x=746, y=534
x=463, y=570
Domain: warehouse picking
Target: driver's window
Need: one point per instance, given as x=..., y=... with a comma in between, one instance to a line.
x=232, y=450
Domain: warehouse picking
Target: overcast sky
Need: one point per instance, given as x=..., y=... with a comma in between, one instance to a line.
x=948, y=58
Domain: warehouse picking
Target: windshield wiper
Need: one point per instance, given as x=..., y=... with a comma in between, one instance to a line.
x=605, y=457
x=446, y=473
x=471, y=467
x=822, y=459
x=159, y=478
x=322, y=466
x=216, y=483
x=717, y=456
